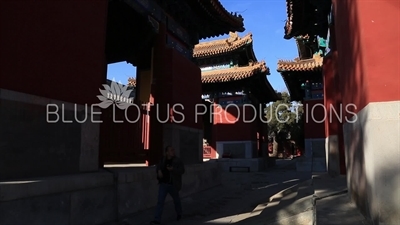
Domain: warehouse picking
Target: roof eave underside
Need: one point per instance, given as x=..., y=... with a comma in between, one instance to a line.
x=258, y=83
x=213, y=12
x=293, y=90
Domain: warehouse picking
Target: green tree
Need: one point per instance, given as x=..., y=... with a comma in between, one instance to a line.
x=285, y=119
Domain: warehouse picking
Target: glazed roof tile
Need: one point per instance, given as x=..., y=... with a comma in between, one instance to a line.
x=227, y=75
x=234, y=74
x=217, y=47
x=314, y=64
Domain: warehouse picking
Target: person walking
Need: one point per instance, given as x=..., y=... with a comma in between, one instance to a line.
x=169, y=175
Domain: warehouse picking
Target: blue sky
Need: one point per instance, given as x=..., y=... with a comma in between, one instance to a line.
x=264, y=19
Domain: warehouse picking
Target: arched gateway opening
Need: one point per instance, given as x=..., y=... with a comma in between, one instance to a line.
x=130, y=38
x=157, y=37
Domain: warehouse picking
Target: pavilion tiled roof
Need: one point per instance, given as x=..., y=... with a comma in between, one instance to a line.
x=217, y=47
x=314, y=64
x=234, y=74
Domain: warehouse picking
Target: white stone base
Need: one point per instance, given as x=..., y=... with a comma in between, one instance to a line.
x=94, y=198
x=248, y=147
x=332, y=155
x=187, y=142
x=254, y=165
x=372, y=148
x=314, y=158
x=311, y=165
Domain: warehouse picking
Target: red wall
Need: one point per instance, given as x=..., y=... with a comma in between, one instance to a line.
x=54, y=49
x=186, y=78
x=332, y=97
x=333, y=103
x=314, y=111
x=227, y=129
x=368, y=54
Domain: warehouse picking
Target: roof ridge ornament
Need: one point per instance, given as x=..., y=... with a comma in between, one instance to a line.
x=233, y=36
x=317, y=56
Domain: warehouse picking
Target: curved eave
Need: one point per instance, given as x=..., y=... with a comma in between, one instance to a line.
x=270, y=93
x=224, y=21
x=289, y=20
x=234, y=74
x=221, y=47
x=235, y=21
x=293, y=94
x=250, y=53
x=314, y=64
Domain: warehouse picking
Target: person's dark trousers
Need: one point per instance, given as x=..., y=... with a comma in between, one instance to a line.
x=163, y=190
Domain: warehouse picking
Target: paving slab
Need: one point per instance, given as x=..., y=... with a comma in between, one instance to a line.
x=232, y=202
x=338, y=210
x=333, y=204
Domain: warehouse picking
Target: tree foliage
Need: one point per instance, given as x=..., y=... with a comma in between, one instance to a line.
x=285, y=119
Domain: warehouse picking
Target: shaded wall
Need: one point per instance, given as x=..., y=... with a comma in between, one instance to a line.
x=176, y=82
x=314, y=116
x=370, y=81
x=48, y=52
x=103, y=197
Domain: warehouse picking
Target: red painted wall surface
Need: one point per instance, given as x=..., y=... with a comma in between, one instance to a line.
x=368, y=54
x=176, y=80
x=231, y=125
x=331, y=95
x=186, y=86
x=333, y=103
x=54, y=49
x=314, y=113
x=120, y=140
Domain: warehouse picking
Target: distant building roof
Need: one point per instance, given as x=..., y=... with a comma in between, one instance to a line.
x=223, y=46
x=234, y=73
x=314, y=64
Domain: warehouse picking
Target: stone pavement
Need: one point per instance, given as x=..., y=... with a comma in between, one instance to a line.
x=333, y=204
x=235, y=201
x=280, y=196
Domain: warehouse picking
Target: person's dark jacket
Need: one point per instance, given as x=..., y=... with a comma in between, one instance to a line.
x=176, y=173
